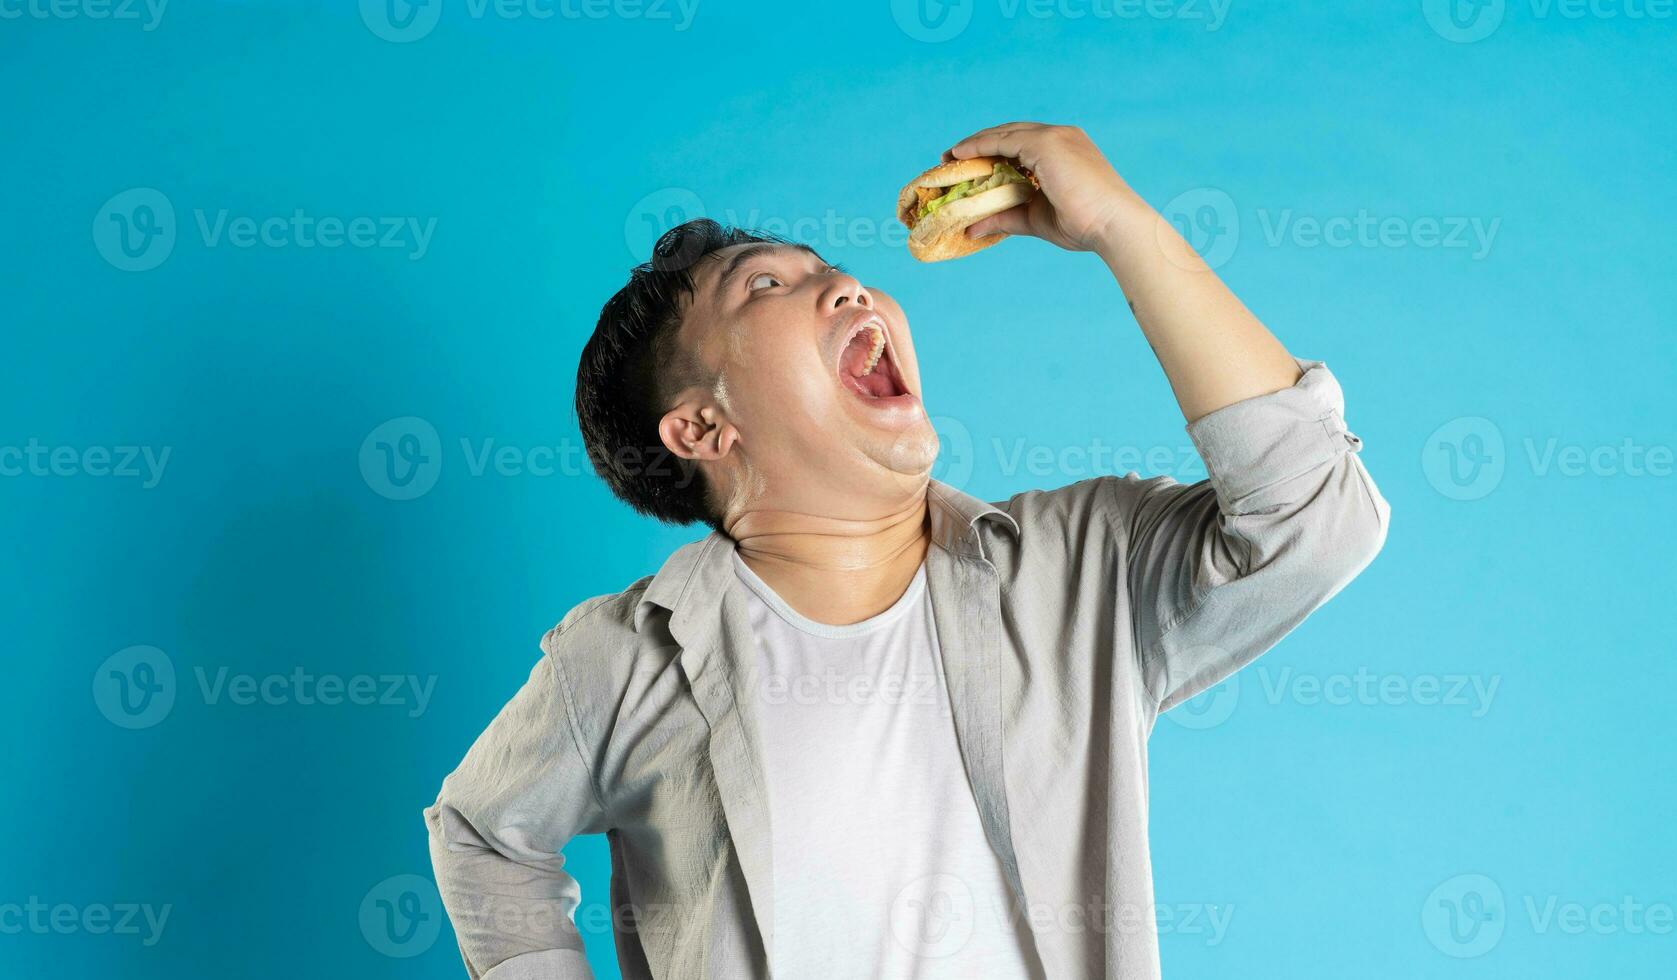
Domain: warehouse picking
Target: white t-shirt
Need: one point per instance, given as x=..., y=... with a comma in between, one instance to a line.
x=881, y=868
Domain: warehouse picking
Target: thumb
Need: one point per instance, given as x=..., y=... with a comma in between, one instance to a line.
x=1013, y=221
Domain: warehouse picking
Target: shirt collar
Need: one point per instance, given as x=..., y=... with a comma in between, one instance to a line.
x=692, y=580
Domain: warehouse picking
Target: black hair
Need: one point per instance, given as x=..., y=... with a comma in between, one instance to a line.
x=634, y=366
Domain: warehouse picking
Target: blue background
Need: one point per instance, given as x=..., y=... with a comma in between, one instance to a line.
x=1334, y=836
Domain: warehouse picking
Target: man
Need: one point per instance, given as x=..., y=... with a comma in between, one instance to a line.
x=872, y=726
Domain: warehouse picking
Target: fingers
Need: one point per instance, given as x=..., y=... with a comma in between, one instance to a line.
x=1006, y=140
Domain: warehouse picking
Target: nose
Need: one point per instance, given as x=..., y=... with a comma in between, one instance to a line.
x=842, y=290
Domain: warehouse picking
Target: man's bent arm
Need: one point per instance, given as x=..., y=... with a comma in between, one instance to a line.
x=1217, y=574
x=522, y=792
x=1218, y=571
x=1213, y=349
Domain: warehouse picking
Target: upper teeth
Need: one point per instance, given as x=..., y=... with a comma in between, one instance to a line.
x=878, y=346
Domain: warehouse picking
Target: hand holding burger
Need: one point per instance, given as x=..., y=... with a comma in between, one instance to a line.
x=941, y=204
x=1049, y=182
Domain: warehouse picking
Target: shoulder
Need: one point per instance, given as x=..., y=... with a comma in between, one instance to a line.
x=596, y=645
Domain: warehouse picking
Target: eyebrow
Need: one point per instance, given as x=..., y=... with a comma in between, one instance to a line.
x=732, y=270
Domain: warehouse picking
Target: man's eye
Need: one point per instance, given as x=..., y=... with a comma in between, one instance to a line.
x=751, y=284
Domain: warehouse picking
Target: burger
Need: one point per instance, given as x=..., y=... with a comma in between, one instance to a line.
x=939, y=205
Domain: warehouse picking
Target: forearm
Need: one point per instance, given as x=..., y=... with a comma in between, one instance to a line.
x=1213, y=350
x=500, y=820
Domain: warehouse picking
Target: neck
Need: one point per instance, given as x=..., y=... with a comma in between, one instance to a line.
x=836, y=571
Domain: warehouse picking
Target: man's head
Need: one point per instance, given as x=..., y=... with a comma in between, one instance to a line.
x=737, y=372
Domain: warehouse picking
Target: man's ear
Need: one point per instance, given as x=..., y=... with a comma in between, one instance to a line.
x=697, y=428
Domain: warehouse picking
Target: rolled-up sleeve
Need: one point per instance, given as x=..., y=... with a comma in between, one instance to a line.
x=1219, y=571
x=522, y=791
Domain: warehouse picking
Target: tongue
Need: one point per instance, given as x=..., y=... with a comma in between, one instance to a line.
x=877, y=384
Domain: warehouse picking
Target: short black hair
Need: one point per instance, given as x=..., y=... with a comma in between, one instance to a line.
x=634, y=366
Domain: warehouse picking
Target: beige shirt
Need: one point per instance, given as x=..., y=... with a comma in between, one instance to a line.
x=1068, y=620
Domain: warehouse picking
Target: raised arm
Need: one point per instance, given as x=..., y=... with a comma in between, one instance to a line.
x=1212, y=348
x=1216, y=572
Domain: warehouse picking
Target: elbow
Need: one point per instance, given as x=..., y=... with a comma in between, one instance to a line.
x=1363, y=543
x=1359, y=518
x=434, y=821
x=436, y=812
x=436, y=840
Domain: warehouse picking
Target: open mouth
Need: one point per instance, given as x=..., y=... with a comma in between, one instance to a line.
x=866, y=365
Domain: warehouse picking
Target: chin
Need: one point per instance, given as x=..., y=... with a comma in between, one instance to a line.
x=912, y=452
